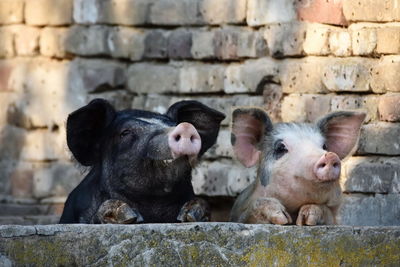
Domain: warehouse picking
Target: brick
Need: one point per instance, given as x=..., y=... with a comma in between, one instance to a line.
x=6, y=98
x=273, y=97
x=160, y=103
x=371, y=175
x=340, y=43
x=7, y=48
x=380, y=138
x=303, y=75
x=171, y=12
x=11, y=11
x=87, y=41
x=202, y=44
x=250, y=76
x=153, y=78
x=371, y=10
x=180, y=44
x=389, y=108
x=123, y=12
x=201, y=78
x=14, y=209
x=52, y=42
x=270, y=12
x=124, y=42
x=348, y=75
x=12, y=141
x=46, y=12
x=316, y=41
x=285, y=39
x=120, y=99
x=368, y=104
x=385, y=75
x=305, y=108
x=222, y=147
x=21, y=182
x=388, y=40
x=366, y=210
x=223, y=11
x=7, y=166
x=322, y=11
x=97, y=75
x=6, y=69
x=38, y=79
x=57, y=179
x=221, y=178
x=26, y=40
x=156, y=44
x=363, y=38
x=29, y=220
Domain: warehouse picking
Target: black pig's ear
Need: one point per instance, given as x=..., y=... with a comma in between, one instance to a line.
x=341, y=130
x=206, y=120
x=249, y=126
x=85, y=127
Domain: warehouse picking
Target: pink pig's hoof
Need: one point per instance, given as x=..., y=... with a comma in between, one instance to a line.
x=310, y=215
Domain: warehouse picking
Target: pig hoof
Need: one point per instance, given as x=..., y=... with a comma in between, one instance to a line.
x=272, y=211
x=118, y=212
x=309, y=215
x=195, y=210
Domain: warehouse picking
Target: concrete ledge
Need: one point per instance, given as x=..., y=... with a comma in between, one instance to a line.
x=204, y=244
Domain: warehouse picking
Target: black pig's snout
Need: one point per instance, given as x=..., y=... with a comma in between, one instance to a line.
x=184, y=140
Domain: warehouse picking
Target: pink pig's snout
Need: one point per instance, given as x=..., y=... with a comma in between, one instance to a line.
x=184, y=140
x=327, y=167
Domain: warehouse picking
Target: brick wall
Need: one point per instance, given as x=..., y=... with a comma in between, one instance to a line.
x=298, y=59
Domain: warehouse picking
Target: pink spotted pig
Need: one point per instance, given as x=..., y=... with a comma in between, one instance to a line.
x=298, y=166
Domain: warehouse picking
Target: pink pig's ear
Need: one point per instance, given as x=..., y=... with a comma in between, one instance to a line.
x=249, y=126
x=341, y=130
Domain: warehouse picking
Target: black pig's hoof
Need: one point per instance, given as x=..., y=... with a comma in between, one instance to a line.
x=118, y=212
x=195, y=210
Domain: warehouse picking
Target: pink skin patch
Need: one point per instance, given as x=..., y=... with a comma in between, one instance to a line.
x=184, y=140
x=247, y=131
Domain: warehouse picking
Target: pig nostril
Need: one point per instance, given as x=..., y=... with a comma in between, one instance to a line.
x=177, y=138
x=336, y=165
x=322, y=165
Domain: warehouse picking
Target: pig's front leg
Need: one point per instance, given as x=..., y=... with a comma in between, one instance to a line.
x=117, y=212
x=268, y=210
x=195, y=210
x=312, y=214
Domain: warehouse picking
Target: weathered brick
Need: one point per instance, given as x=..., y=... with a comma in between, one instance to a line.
x=222, y=147
x=96, y=75
x=153, y=78
x=38, y=79
x=156, y=44
x=371, y=175
x=388, y=40
x=371, y=10
x=348, y=74
x=180, y=44
x=322, y=11
x=12, y=141
x=11, y=11
x=198, y=12
x=221, y=178
x=120, y=99
x=6, y=69
x=26, y=40
x=47, y=12
x=316, y=41
x=369, y=104
x=202, y=44
x=52, y=42
x=385, y=75
x=250, y=76
x=305, y=108
x=303, y=75
x=87, y=41
x=270, y=11
x=380, y=138
x=375, y=210
x=7, y=42
x=57, y=179
x=124, y=42
x=340, y=43
x=6, y=98
x=363, y=38
x=123, y=12
x=389, y=107
x=273, y=97
x=285, y=39
x=201, y=78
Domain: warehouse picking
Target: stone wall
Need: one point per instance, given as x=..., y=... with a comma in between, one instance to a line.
x=297, y=59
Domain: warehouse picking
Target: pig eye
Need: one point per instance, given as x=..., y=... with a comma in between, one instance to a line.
x=324, y=147
x=125, y=133
x=280, y=150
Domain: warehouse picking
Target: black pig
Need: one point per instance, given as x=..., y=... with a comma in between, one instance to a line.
x=140, y=163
